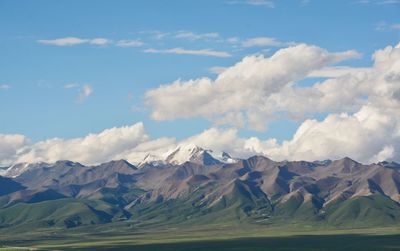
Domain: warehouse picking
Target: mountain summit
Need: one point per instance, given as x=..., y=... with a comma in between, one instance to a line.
x=187, y=153
x=196, y=154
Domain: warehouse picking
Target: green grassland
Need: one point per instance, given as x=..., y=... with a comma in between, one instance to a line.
x=237, y=222
x=230, y=236
x=71, y=224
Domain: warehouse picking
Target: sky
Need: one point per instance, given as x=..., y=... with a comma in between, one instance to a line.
x=290, y=79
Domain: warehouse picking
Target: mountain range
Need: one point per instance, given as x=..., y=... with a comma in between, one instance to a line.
x=191, y=184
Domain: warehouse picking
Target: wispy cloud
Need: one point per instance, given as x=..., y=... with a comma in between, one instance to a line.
x=129, y=43
x=266, y=3
x=4, y=87
x=71, y=41
x=378, y=2
x=395, y=26
x=99, y=41
x=196, y=36
x=232, y=40
x=155, y=34
x=183, y=34
x=383, y=26
x=71, y=86
x=261, y=41
x=217, y=69
x=85, y=92
x=202, y=52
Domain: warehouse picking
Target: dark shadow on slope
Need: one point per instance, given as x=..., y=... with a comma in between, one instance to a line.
x=298, y=243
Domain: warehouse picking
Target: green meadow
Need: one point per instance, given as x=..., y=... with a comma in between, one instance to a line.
x=123, y=236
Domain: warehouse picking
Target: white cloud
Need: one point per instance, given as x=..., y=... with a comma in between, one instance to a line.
x=5, y=87
x=99, y=41
x=91, y=149
x=10, y=146
x=365, y=123
x=66, y=41
x=366, y=136
x=196, y=36
x=203, y=52
x=261, y=41
x=336, y=71
x=266, y=3
x=129, y=43
x=364, y=107
x=71, y=86
x=70, y=41
x=128, y=142
x=370, y=134
x=85, y=92
x=249, y=90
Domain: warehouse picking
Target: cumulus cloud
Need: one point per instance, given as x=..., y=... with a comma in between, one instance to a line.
x=10, y=146
x=364, y=104
x=336, y=71
x=367, y=136
x=91, y=149
x=370, y=134
x=203, y=52
x=364, y=124
x=128, y=142
x=249, y=90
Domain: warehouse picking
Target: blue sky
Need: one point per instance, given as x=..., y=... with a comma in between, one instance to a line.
x=34, y=74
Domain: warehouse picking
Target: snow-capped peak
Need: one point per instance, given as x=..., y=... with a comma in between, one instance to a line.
x=196, y=154
x=151, y=159
x=17, y=169
x=181, y=154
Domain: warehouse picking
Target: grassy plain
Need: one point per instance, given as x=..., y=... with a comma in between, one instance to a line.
x=123, y=236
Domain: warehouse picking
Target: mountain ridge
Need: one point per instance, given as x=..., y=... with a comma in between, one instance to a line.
x=197, y=186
